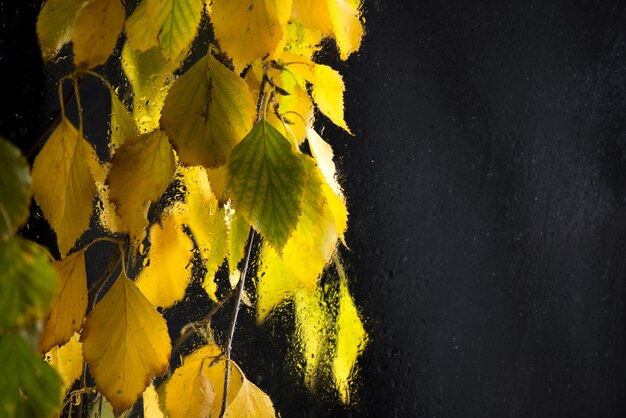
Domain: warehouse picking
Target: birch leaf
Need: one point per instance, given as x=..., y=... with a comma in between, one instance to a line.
x=238, y=233
x=140, y=173
x=28, y=386
x=123, y=127
x=70, y=306
x=95, y=35
x=140, y=30
x=346, y=24
x=250, y=29
x=327, y=93
x=15, y=189
x=208, y=111
x=164, y=280
x=266, y=180
x=55, y=25
x=63, y=183
x=28, y=283
x=151, y=403
x=126, y=343
x=67, y=360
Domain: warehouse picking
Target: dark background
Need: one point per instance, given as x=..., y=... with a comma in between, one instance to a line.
x=487, y=187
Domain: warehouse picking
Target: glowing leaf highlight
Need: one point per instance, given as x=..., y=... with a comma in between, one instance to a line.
x=28, y=386
x=266, y=180
x=140, y=172
x=151, y=403
x=312, y=328
x=63, y=183
x=126, y=343
x=164, y=280
x=327, y=93
x=208, y=111
x=67, y=360
x=70, y=305
x=95, y=35
x=28, y=283
x=250, y=29
x=15, y=189
x=346, y=24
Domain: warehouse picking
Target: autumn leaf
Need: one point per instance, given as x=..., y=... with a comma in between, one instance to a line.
x=175, y=22
x=70, y=306
x=28, y=386
x=151, y=403
x=350, y=340
x=198, y=373
x=140, y=172
x=206, y=220
x=126, y=343
x=67, y=360
x=95, y=35
x=266, y=180
x=149, y=77
x=55, y=25
x=123, y=127
x=313, y=327
x=250, y=29
x=164, y=280
x=139, y=29
x=207, y=112
x=28, y=283
x=15, y=189
x=238, y=233
x=63, y=183
x=303, y=40
x=305, y=254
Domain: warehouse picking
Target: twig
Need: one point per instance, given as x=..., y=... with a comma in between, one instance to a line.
x=233, y=320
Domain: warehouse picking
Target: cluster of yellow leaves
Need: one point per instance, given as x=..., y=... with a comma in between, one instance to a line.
x=198, y=132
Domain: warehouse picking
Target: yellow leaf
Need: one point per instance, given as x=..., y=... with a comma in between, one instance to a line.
x=123, y=126
x=327, y=93
x=164, y=280
x=151, y=404
x=140, y=172
x=175, y=22
x=312, y=329
x=98, y=26
x=70, y=306
x=313, y=14
x=67, y=360
x=189, y=393
x=244, y=398
x=346, y=23
x=139, y=29
x=350, y=340
x=250, y=29
x=63, y=183
x=219, y=180
x=306, y=253
x=55, y=25
x=301, y=40
x=323, y=154
x=207, y=222
x=208, y=111
x=149, y=78
x=126, y=343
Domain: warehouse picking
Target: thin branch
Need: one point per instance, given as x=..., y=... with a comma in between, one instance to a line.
x=233, y=320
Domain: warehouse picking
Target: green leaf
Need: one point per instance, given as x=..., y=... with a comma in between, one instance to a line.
x=266, y=180
x=28, y=386
x=15, y=189
x=207, y=112
x=28, y=282
x=55, y=25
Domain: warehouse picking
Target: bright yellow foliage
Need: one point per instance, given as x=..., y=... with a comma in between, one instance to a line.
x=206, y=220
x=164, y=280
x=126, y=343
x=70, y=306
x=140, y=172
x=149, y=76
x=199, y=380
x=312, y=328
x=63, y=183
x=207, y=112
x=67, y=360
x=98, y=26
x=250, y=29
x=123, y=127
x=151, y=404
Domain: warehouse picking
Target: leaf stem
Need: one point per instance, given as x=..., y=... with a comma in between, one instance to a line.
x=233, y=320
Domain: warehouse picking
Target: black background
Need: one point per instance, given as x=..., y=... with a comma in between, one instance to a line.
x=486, y=184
